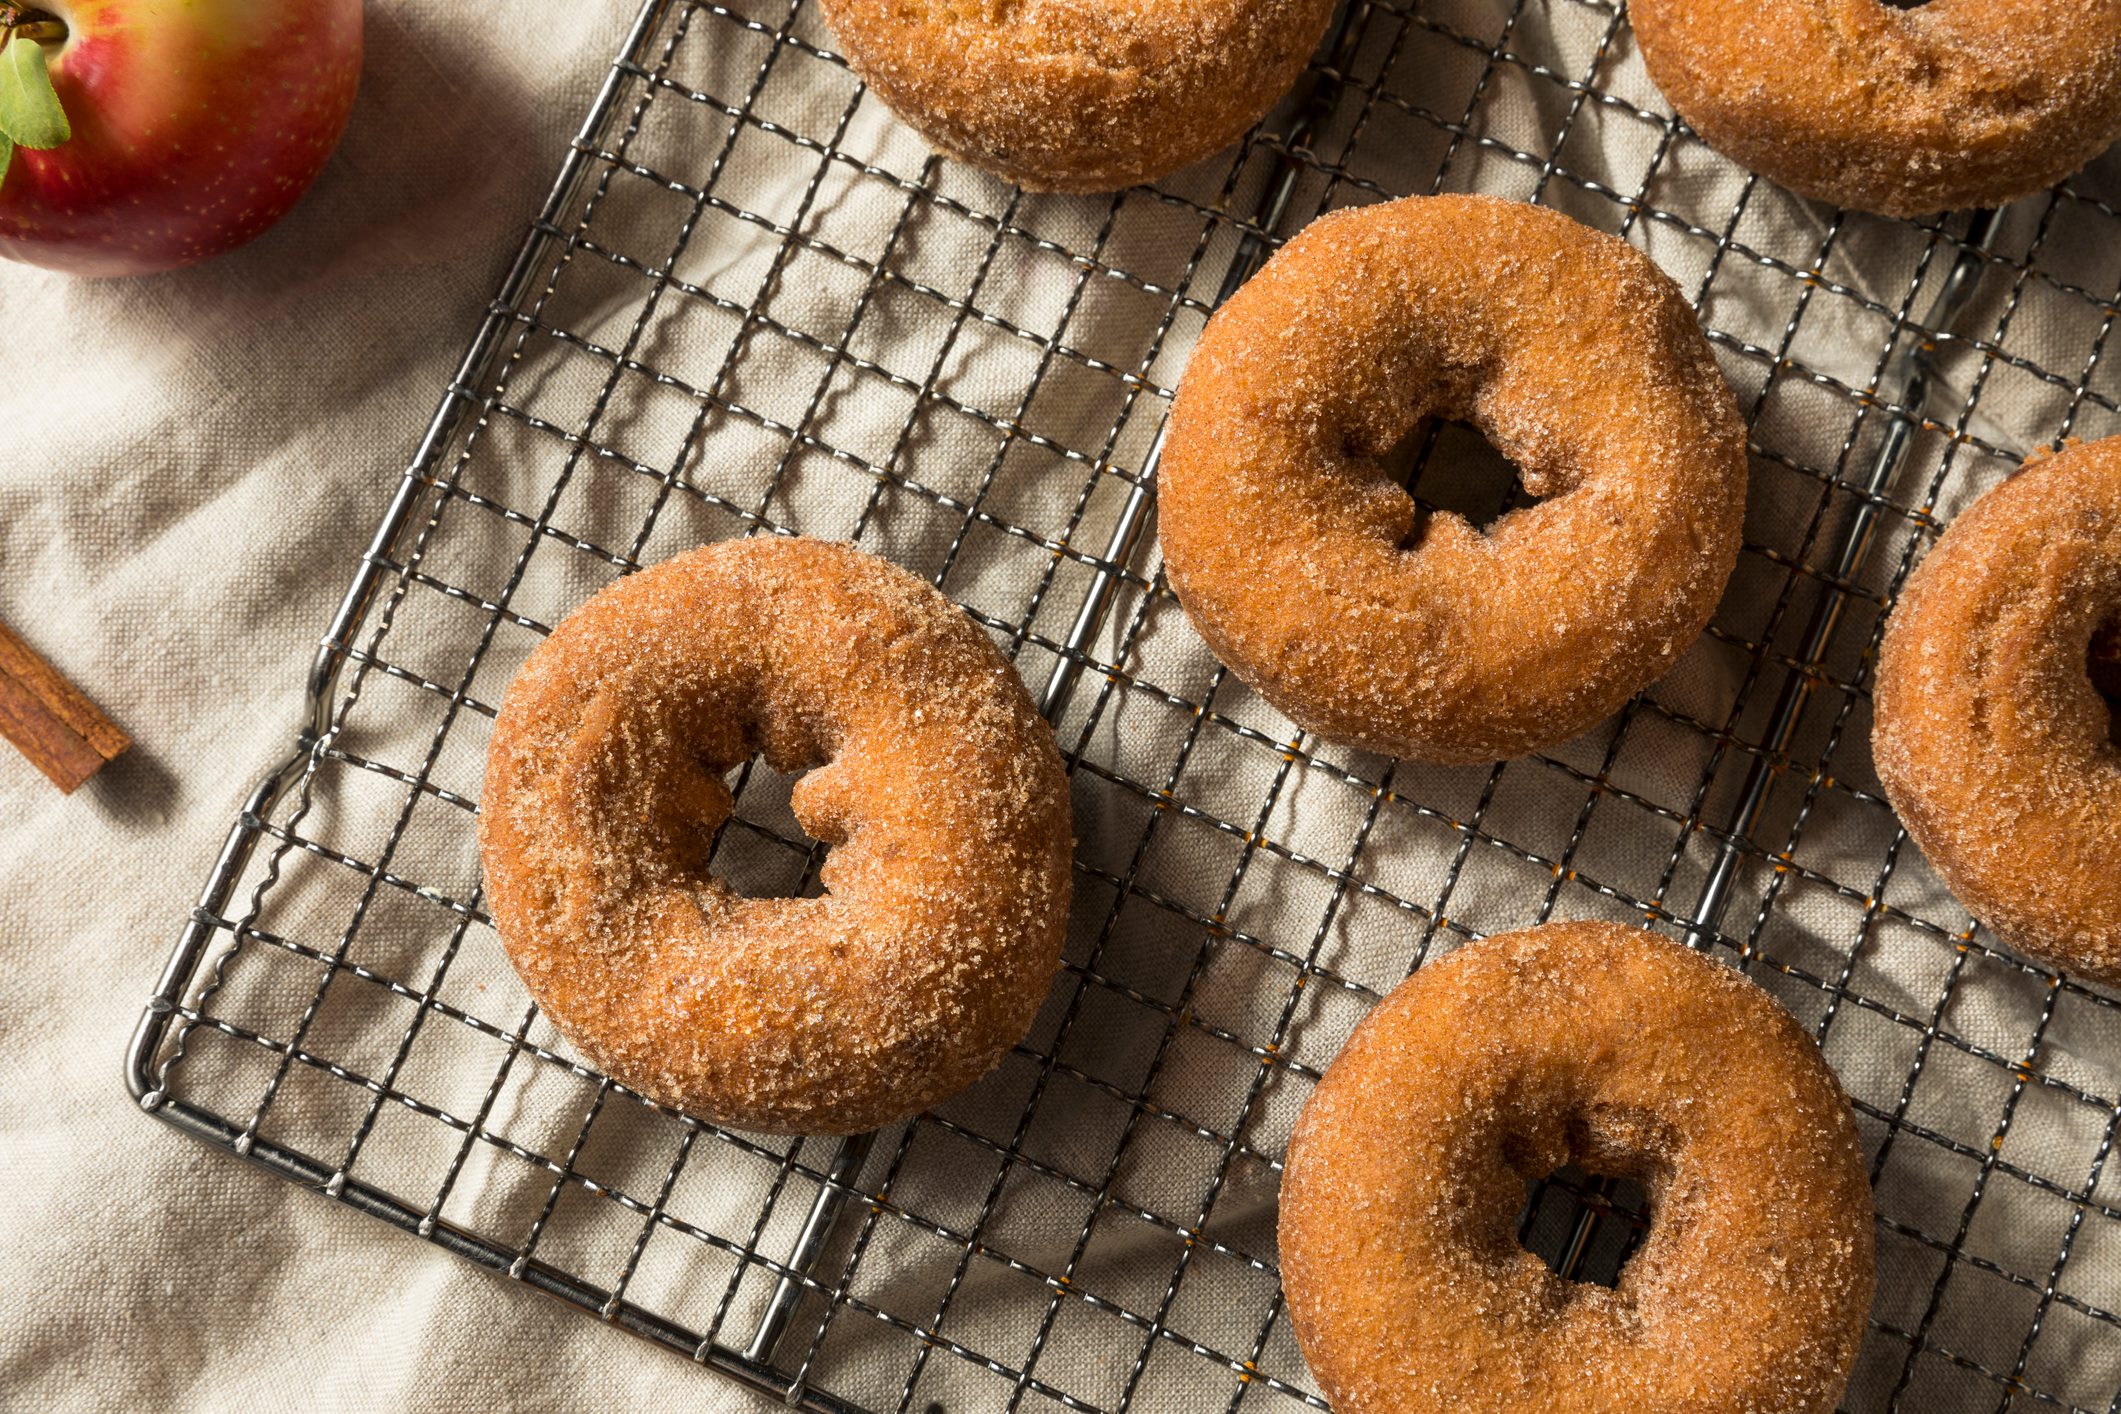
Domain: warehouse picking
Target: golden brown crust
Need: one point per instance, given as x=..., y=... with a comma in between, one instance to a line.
x=1622, y=1052
x=1990, y=738
x=1953, y=104
x=928, y=772
x=1079, y=95
x=1312, y=574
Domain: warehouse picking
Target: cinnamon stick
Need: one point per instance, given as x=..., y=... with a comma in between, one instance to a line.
x=63, y=734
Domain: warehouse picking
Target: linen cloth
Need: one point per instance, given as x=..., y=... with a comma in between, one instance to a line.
x=194, y=462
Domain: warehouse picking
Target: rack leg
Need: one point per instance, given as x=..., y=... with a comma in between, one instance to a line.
x=809, y=1246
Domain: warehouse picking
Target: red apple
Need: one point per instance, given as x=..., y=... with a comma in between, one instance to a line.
x=196, y=124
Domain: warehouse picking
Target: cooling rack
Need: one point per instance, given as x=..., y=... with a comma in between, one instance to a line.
x=755, y=304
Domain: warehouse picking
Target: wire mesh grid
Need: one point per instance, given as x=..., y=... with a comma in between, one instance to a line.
x=753, y=303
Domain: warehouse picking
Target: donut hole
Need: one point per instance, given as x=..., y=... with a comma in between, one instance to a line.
x=761, y=848
x=733, y=815
x=2105, y=668
x=1450, y=467
x=1590, y=1174
x=1584, y=1225
x=720, y=801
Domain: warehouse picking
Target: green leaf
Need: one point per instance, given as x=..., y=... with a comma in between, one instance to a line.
x=29, y=106
x=7, y=154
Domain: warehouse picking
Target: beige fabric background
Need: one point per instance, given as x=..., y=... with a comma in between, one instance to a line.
x=151, y=428
x=189, y=465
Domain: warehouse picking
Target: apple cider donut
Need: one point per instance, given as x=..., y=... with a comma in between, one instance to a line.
x=1079, y=95
x=1312, y=573
x=1626, y=1054
x=929, y=774
x=1991, y=737
x=1952, y=104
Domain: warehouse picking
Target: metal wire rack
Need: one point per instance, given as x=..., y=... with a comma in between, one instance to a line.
x=754, y=303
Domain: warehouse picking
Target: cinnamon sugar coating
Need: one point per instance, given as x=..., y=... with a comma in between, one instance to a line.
x=1079, y=95
x=1951, y=104
x=929, y=774
x=1313, y=574
x=1621, y=1051
x=1990, y=736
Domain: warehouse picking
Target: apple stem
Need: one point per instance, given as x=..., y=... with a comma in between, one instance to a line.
x=39, y=30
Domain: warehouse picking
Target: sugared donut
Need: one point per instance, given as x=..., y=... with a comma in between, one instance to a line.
x=931, y=777
x=1990, y=736
x=1903, y=111
x=1312, y=573
x=1079, y=95
x=1626, y=1054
